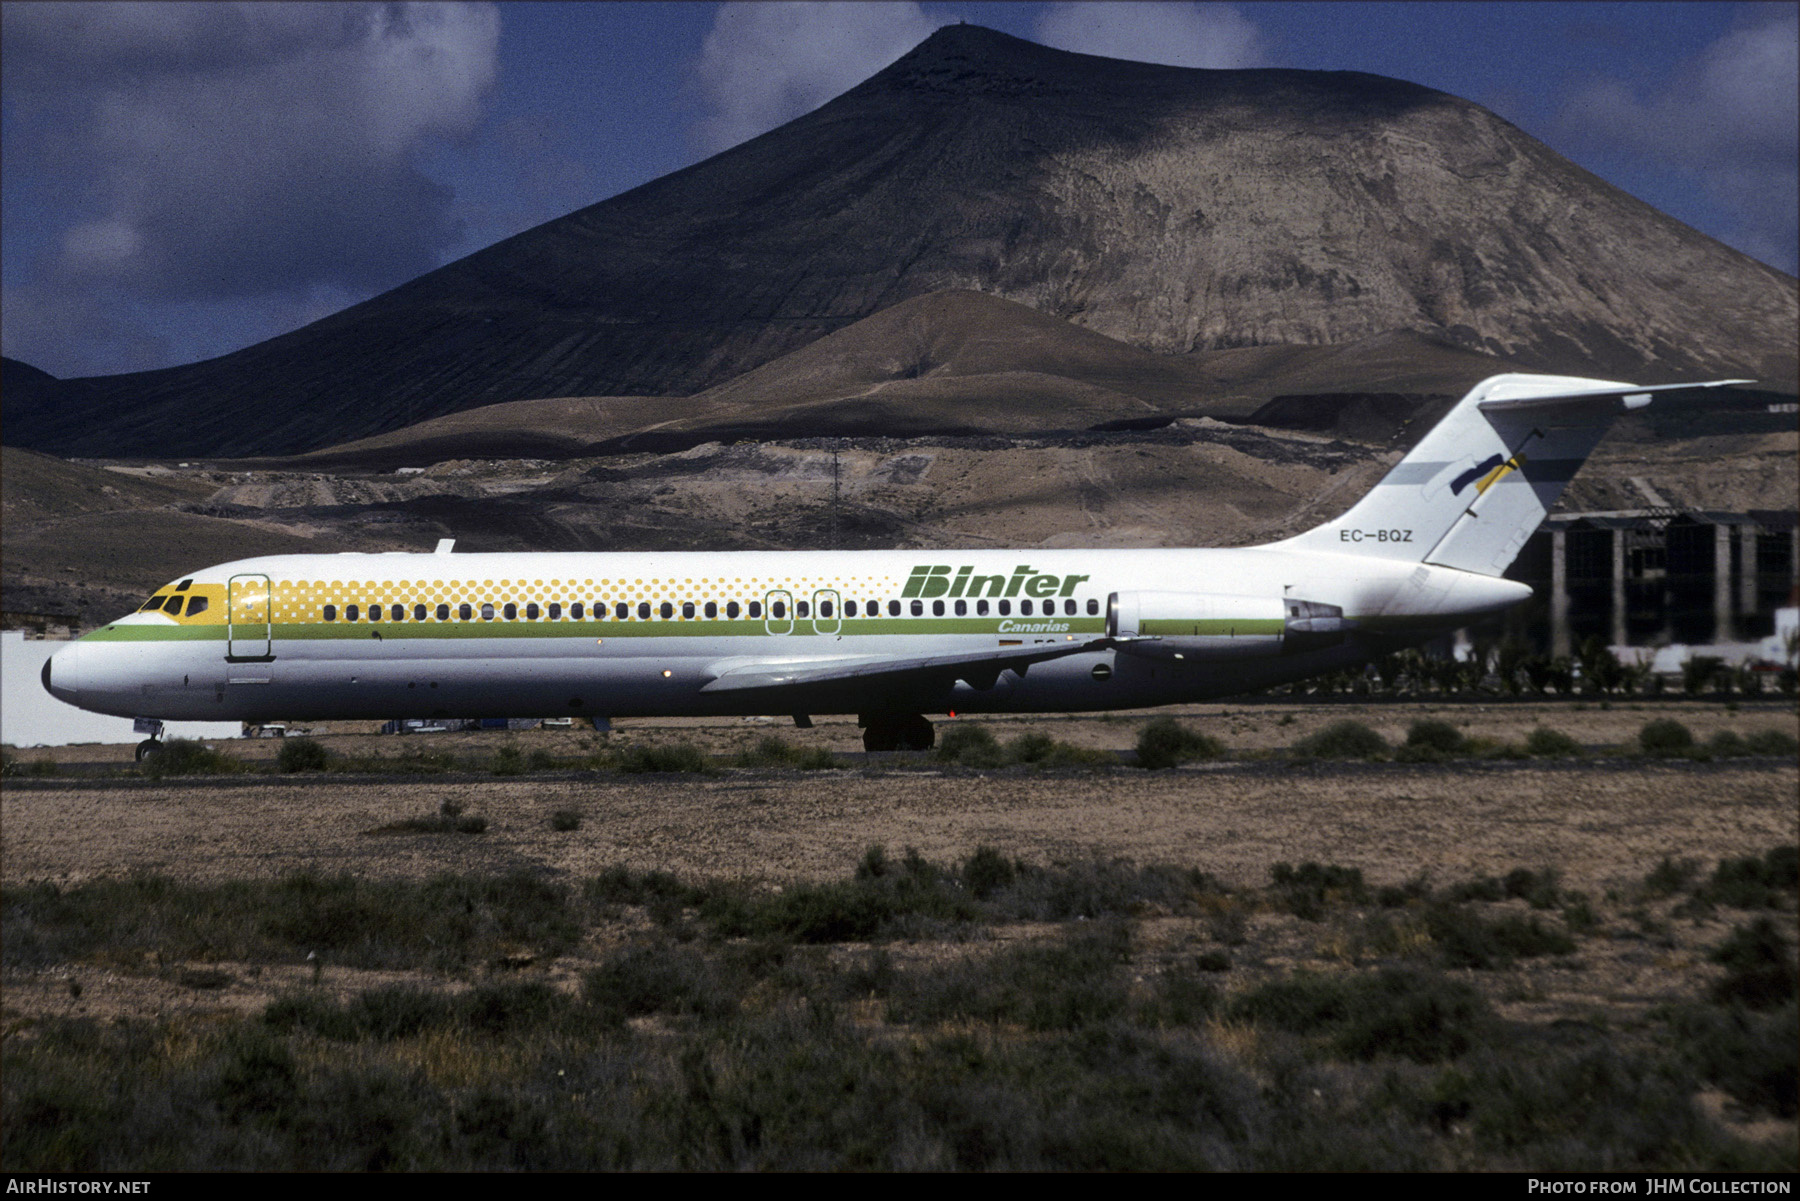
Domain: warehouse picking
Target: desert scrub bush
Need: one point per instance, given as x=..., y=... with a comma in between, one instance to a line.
x=449, y=819
x=1726, y=744
x=1539, y=889
x=986, y=871
x=301, y=754
x=12, y=766
x=1670, y=877
x=1464, y=939
x=774, y=751
x=185, y=757
x=1759, y=967
x=676, y=757
x=1345, y=739
x=46, y=923
x=444, y=921
x=1395, y=896
x=1410, y=1014
x=1771, y=742
x=1666, y=738
x=1432, y=741
x=1040, y=750
x=1095, y=888
x=1183, y=993
x=1569, y=1109
x=1749, y=882
x=884, y=899
x=1304, y=891
x=975, y=746
x=1748, y=1054
x=565, y=820
x=1165, y=742
x=637, y=981
x=1578, y=914
x=622, y=886
x=508, y=761
x=1546, y=743
x=1073, y=981
x=970, y=746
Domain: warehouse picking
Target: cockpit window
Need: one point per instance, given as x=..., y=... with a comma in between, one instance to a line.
x=155, y=602
x=196, y=606
x=183, y=586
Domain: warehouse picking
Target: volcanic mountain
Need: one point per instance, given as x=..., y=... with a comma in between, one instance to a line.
x=1174, y=210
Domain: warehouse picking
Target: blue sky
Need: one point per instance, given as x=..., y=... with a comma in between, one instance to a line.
x=183, y=180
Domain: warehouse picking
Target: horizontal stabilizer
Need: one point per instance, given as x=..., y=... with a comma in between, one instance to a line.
x=1610, y=401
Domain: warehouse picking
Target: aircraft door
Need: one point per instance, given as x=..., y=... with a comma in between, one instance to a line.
x=828, y=612
x=778, y=612
x=248, y=630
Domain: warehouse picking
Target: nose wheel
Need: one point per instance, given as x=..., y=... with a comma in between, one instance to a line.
x=897, y=732
x=151, y=746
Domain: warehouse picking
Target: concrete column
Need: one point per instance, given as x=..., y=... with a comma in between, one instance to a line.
x=1618, y=587
x=1722, y=583
x=1559, y=592
x=1747, y=572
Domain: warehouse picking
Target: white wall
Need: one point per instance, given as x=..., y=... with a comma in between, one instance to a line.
x=29, y=716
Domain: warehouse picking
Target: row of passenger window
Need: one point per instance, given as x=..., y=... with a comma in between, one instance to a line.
x=621, y=611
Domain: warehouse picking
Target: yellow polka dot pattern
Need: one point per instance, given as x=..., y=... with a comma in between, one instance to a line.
x=305, y=600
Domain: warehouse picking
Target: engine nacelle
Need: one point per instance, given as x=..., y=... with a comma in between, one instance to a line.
x=1199, y=625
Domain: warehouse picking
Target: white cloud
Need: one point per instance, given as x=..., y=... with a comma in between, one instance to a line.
x=1176, y=35
x=763, y=64
x=1730, y=116
x=225, y=150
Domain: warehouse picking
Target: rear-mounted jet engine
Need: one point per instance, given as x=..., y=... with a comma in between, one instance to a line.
x=1194, y=625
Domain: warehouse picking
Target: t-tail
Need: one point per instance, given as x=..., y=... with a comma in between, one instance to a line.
x=1485, y=477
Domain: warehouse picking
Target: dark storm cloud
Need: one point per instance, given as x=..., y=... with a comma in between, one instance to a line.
x=213, y=151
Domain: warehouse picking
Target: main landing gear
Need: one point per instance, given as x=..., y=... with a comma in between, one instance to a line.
x=148, y=749
x=897, y=732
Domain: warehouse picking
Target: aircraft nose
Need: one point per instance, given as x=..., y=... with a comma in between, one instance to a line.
x=62, y=673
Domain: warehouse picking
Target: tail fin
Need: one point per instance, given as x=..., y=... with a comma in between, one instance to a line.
x=1480, y=483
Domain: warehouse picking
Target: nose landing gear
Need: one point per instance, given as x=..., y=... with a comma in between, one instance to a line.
x=897, y=732
x=152, y=745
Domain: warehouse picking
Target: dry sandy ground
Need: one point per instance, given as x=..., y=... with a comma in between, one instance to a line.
x=1602, y=824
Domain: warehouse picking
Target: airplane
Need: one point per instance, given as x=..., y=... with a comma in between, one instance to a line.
x=890, y=636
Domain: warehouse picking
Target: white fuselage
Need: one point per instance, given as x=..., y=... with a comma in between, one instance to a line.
x=612, y=635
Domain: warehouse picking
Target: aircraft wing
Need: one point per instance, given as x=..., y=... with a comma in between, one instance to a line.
x=979, y=669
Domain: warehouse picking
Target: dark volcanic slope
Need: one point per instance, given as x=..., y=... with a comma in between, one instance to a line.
x=1172, y=209
x=948, y=363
